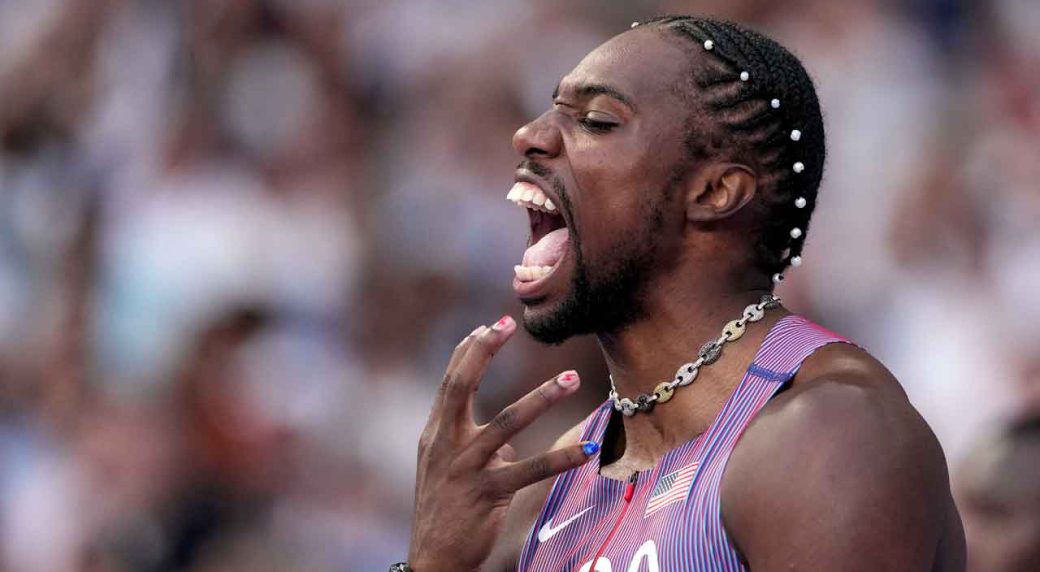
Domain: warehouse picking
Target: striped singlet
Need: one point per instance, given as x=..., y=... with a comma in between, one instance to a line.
x=668, y=517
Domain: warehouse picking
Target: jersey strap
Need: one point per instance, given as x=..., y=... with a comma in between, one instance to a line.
x=789, y=343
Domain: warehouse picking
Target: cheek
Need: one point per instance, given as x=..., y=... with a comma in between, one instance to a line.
x=608, y=184
x=613, y=180
x=609, y=211
x=613, y=232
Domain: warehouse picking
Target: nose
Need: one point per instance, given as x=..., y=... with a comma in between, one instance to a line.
x=538, y=138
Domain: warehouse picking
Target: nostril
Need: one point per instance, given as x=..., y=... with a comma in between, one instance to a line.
x=525, y=141
x=538, y=138
x=542, y=145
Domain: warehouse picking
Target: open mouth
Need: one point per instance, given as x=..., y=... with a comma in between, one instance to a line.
x=549, y=236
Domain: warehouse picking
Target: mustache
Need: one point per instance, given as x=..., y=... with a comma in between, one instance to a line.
x=537, y=168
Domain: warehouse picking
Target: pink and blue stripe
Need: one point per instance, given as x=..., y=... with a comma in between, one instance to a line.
x=687, y=535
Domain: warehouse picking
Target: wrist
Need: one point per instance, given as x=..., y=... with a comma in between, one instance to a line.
x=420, y=565
x=424, y=560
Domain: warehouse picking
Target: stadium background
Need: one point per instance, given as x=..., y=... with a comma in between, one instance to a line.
x=239, y=238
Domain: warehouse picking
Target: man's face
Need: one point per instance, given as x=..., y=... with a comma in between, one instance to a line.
x=609, y=156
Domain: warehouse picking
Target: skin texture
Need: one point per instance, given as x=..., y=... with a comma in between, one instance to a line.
x=840, y=473
x=837, y=473
x=466, y=469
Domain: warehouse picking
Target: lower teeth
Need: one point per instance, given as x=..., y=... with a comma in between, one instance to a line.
x=531, y=273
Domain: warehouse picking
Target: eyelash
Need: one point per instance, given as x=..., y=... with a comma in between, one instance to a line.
x=594, y=126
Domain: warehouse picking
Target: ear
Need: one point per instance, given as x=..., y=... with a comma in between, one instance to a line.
x=719, y=190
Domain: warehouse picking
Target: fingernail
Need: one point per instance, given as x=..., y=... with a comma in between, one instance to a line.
x=590, y=448
x=504, y=323
x=568, y=379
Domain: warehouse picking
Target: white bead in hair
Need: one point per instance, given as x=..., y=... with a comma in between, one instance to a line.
x=800, y=202
x=796, y=135
x=778, y=278
x=744, y=76
x=796, y=261
x=708, y=44
x=796, y=232
x=634, y=24
x=799, y=167
x=775, y=103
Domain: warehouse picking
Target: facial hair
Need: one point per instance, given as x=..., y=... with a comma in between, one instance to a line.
x=604, y=295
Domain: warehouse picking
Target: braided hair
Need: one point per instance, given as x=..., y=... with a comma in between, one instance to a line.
x=761, y=106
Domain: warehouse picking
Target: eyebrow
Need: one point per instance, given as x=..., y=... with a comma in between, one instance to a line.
x=591, y=89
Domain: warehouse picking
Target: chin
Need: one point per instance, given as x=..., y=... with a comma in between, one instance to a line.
x=546, y=329
x=554, y=321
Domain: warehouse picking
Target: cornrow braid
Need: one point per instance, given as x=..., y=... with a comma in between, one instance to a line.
x=762, y=107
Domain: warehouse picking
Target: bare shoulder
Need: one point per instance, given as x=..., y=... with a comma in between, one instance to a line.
x=523, y=511
x=841, y=394
x=841, y=456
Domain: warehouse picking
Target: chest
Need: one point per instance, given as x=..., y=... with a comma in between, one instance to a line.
x=666, y=519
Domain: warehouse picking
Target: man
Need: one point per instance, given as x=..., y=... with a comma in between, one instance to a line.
x=668, y=187
x=999, y=489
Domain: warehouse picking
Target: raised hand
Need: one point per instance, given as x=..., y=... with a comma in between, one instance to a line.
x=467, y=474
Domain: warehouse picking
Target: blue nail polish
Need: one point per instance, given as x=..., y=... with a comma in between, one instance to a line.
x=590, y=448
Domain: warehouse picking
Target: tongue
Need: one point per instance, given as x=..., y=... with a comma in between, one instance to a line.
x=547, y=251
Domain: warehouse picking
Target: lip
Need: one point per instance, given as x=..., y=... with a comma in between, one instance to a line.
x=533, y=292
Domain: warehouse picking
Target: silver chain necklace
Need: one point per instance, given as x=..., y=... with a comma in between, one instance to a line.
x=707, y=355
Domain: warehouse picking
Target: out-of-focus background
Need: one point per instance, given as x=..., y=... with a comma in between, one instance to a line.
x=239, y=238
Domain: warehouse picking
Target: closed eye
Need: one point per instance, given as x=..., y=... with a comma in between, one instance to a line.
x=595, y=126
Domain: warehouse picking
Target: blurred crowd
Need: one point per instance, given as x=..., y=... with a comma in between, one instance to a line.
x=239, y=238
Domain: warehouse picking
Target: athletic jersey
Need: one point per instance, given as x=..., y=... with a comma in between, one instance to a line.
x=669, y=517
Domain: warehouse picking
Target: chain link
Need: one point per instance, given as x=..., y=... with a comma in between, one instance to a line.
x=708, y=354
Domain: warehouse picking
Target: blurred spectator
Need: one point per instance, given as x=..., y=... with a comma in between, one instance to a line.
x=239, y=238
x=999, y=489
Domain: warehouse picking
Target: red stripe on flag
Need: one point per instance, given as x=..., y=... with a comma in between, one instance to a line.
x=675, y=492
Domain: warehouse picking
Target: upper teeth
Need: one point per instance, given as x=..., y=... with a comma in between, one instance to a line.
x=530, y=196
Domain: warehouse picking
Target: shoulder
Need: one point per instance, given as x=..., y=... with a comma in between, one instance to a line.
x=523, y=510
x=844, y=390
x=841, y=454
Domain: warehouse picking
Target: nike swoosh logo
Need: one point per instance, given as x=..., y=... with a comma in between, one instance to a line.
x=548, y=530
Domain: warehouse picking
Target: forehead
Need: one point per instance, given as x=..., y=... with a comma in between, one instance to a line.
x=642, y=64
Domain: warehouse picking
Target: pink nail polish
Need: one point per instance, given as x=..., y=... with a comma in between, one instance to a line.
x=568, y=379
x=504, y=323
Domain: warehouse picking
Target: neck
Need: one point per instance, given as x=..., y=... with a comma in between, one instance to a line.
x=675, y=324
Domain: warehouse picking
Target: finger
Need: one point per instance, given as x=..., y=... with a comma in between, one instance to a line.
x=456, y=355
x=463, y=380
x=516, y=476
x=433, y=418
x=506, y=453
x=519, y=415
x=460, y=349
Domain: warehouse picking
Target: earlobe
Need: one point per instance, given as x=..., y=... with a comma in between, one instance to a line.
x=720, y=191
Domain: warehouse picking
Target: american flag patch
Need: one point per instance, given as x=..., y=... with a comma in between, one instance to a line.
x=671, y=488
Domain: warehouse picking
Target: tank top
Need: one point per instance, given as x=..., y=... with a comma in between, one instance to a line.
x=668, y=517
